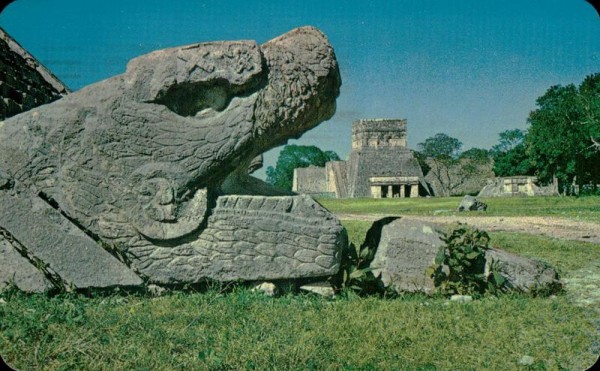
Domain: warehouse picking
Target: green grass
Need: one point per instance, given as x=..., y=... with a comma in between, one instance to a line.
x=567, y=256
x=582, y=208
x=245, y=330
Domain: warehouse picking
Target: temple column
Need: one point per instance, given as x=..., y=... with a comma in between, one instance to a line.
x=376, y=191
x=402, y=195
x=414, y=190
x=389, y=193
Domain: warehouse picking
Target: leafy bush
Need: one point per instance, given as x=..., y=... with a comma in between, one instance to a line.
x=459, y=266
x=355, y=273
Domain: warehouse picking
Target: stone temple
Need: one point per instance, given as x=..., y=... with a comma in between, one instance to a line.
x=380, y=166
x=24, y=82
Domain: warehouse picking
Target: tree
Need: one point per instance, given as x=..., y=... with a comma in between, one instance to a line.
x=589, y=91
x=477, y=155
x=509, y=139
x=294, y=156
x=473, y=170
x=442, y=152
x=422, y=160
x=563, y=137
x=510, y=157
x=450, y=171
x=441, y=147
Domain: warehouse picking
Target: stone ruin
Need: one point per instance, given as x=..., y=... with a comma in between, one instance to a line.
x=142, y=179
x=127, y=181
x=24, y=82
x=380, y=166
x=517, y=186
x=406, y=247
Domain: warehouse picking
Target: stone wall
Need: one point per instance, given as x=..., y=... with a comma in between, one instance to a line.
x=310, y=180
x=337, y=178
x=24, y=82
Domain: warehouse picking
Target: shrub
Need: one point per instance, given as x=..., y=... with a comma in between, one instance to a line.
x=459, y=266
x=355, y=273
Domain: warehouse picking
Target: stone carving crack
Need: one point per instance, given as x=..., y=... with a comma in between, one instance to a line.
x=119, y=254
x=54, y=278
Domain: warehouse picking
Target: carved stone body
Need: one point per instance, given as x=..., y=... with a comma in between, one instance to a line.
x=143, y=161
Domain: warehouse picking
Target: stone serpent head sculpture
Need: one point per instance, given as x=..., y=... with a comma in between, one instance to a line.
x=139, y=160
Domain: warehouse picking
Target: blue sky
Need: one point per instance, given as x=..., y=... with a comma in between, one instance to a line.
x=467, y=68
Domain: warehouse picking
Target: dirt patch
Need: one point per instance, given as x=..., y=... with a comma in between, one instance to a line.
x=564, y=229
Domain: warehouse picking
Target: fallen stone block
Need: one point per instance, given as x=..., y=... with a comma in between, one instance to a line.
x=524, y=274
x=406, y=248
x=17, y=270
x=47, y=235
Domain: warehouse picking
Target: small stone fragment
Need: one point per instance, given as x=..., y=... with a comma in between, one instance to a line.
x=156, y=290
x=320, y=288
x=526, y=360
x=470, y=203
x=461, y=298
x=267, y=288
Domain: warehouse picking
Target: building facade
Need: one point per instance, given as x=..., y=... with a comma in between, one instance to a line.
x=380, y=166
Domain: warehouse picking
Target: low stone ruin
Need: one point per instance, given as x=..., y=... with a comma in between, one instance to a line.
x=406, y=248
x=517, y=186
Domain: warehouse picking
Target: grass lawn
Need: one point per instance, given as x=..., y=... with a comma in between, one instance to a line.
x=583, y=208
x=246, y=330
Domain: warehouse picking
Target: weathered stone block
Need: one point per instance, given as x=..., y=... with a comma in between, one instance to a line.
x=404, y=251
x=245, y=251
x=406, y=248
x=524, y=274
x=53, y=239
x=17, y=270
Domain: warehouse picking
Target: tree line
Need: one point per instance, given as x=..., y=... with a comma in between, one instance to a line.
x=562, y=142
